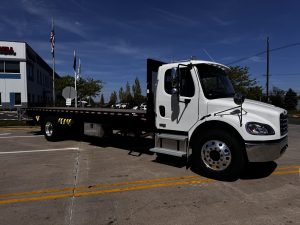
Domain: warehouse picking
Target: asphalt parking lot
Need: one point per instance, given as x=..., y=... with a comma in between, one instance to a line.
x=117, y=181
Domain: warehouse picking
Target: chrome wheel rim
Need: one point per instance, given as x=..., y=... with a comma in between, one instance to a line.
x=216, y=155
x=49, y=129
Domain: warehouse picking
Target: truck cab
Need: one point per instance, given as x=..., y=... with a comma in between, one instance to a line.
x=198, y=115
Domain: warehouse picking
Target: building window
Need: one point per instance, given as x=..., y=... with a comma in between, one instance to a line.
x=17, y=98
x=1, y=66
x=12, y=67
x=0, y=99
x=30, y=74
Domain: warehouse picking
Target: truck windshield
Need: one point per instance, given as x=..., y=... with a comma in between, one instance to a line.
x=214, y=81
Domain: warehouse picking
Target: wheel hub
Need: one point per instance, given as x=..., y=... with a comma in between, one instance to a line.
x=216, y=155
x=49, y=128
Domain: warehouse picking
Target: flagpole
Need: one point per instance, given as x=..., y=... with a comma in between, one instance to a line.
x=53, y=79
x=74, y=67
x=75, y=89
x=53, y=64
x=78, y=75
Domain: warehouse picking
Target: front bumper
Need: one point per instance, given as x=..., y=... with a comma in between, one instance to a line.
x=266, y=151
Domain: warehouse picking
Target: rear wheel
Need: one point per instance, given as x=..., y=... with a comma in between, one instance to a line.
x=50, y=129
x=219, y=155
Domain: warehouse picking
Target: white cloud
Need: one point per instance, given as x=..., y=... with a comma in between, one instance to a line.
x=45, y=11
x=175, y=18
x=222, y=22
x=229, y=41
x=20, y=27
x=257, y=59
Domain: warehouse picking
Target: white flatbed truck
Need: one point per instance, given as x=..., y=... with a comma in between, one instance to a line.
x=193, y=112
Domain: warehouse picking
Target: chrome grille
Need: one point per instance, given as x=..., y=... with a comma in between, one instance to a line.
x=283, y=124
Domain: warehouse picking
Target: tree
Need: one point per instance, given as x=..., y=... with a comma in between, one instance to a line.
x=60, y=84
x=277, y=97
x=290, y=100
x=138, y=98
x=63, y=82
x=86, y=87
x=121, y=95
x=113, y=98
x=127, y=94
x=102, y=102
x=242, y=82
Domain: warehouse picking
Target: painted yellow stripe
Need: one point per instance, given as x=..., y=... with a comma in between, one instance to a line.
x=98, y=186
x=45, y=191
x=35, y=192
x=286, y=172
x=142, y=187
x=103, y=191
x=17, y=200
x=132, y=188
x=288, y=167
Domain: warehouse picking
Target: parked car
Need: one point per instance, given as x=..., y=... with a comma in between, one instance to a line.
x=117, y=106
x=124, y=106
x=143, y=106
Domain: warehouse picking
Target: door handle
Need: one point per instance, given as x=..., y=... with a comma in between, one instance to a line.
x=187, y=100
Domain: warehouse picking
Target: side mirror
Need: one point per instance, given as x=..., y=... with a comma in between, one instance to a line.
x=239, y=98
x=174, y=72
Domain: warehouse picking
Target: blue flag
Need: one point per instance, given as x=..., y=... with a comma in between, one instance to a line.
x=74, y=63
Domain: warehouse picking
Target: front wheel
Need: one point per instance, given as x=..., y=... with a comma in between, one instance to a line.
x=219, y=155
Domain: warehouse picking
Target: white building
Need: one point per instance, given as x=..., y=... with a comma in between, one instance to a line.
x=25, y=78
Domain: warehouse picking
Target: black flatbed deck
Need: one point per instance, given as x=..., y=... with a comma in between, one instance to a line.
x=115, y=118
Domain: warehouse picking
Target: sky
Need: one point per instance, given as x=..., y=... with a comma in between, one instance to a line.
x=113, y=38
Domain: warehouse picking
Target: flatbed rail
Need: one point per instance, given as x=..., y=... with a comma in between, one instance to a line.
x=88, y=111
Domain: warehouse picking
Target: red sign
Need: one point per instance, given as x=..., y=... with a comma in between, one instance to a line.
x=4, y=50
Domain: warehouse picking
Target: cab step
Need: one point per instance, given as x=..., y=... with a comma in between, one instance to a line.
x=168, y=151
x=172, y=137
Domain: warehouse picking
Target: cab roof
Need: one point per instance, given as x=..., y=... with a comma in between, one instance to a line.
x=195, y=62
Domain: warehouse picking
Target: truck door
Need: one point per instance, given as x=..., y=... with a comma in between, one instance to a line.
x=177, y=111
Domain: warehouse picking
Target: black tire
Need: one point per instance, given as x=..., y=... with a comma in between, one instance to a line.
x=219, y=155
x=51, y=129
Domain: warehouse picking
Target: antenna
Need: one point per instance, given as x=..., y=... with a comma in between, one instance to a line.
x=208, y=55
x=268, y=63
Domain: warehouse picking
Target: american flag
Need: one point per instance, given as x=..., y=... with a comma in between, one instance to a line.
x=52, y=39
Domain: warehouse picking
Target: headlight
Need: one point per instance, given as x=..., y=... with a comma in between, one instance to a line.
x=259, y=129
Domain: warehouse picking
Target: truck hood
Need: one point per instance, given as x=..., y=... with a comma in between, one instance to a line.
x=255, y=110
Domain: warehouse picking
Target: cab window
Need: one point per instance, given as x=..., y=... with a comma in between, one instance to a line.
x=187, y=87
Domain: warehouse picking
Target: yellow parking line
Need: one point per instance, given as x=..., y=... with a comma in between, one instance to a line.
x=45, y=191
x=142, y=187
x=103, y=191
x=286, y=172
x=17, y=200
x=288, y=167
x=171, y=181
x=98, y=186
